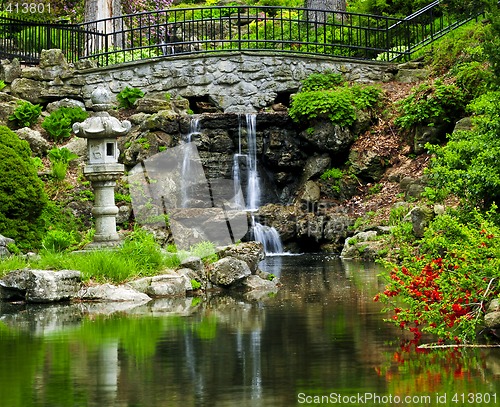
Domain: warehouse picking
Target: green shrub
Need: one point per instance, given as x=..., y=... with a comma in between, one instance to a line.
x=336, y=105
x=326, y=95
x=22, y=195
x=25, y=114
x=322, y=81
x=462, y=45
x=2, y=85
x=431, y=103
x=58, y=124
x=475, y=78
x=332, y=173
x=128, y=96
x=467, y=165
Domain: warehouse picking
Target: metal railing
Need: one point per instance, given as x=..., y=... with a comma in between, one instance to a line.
x=24, y=39
x=171, y=32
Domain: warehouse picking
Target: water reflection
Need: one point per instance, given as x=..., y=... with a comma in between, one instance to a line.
x=320, y=334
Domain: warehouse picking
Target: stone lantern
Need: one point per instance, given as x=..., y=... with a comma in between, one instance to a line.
x=102, y=168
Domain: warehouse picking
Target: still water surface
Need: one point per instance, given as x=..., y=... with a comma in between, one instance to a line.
x=321, y=338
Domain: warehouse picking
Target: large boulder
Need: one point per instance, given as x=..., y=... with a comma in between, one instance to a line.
x=229, y=271
x=111, y=293
x=249, y=252
x=29, y=89
x=367, y=164
x=328, y=136
x=315, y=166
x=362, y=245
x=53, y=64
x=39, y=145
x=40, y=285
x=169, y=284
x=9, y=70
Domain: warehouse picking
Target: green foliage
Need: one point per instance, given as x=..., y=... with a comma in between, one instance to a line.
x=332, y=173
x=467, y=165
x=2, y=85
x=142, y=247
x=128, y=96
x=397, y=214
x=475, y=78
x=431, y=103
x=400, y=8
x=492, y=43
x=195, y=284
x=58, y=124
x=119, y=56
x=375, y=189
x=335, y=175
x=463, y=7
x=434, y=195
x=205, y=250
x=334, y=104
x=328, y=95
x=322, y=81
x=22, y=196
x=57, y=241
x=60, y=159
x=26, y=114
x=445, y=289
x=462, y=45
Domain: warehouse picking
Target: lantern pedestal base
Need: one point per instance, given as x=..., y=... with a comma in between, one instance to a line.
x=103, y=179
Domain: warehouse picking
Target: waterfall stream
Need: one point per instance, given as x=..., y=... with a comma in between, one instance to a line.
x=267, y=235
x=186, y=162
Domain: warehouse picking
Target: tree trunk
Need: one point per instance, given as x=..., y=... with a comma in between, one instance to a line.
x=327, y=5
x=98, y=10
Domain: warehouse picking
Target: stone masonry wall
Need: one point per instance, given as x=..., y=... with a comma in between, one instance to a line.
x=234, y=82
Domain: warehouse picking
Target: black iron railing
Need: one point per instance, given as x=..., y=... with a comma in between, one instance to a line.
x=213, y=29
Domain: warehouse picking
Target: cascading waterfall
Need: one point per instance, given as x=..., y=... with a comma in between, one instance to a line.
x=267, y=235
x=186, y=162
x=253, y=184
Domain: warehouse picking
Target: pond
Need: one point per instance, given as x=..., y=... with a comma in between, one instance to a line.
x=319, y=341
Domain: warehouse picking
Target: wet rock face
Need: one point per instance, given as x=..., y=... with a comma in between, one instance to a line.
x=313, y=227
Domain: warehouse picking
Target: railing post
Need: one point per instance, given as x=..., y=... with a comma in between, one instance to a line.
x=239, y=28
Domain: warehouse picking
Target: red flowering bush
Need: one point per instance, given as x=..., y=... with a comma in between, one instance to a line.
x=445, y=290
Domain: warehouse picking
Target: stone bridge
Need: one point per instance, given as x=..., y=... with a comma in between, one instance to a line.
x=242, y=81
